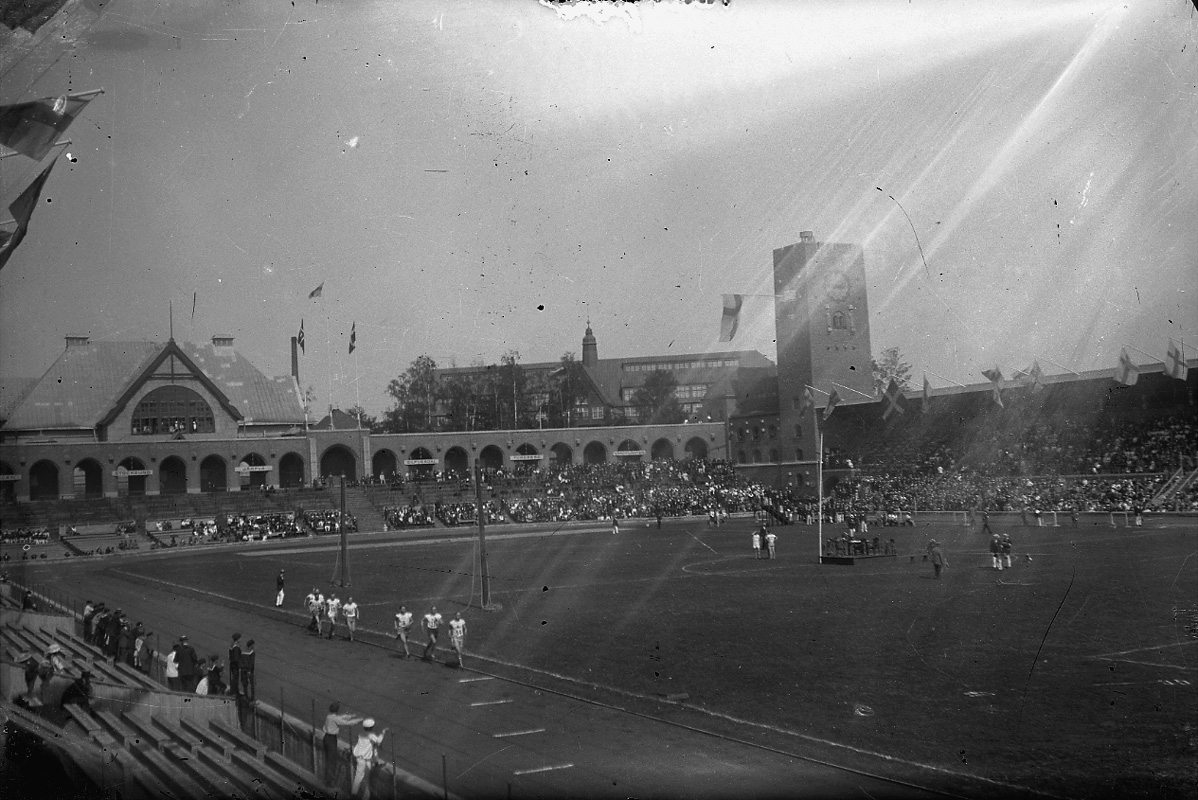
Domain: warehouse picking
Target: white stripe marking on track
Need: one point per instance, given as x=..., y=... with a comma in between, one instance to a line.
x=490, y=703
x=517, y=733
x=479, y=678
x=542, y=769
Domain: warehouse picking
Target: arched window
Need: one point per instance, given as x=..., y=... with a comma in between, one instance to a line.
x=773, y=456
x=172, y=409
x=798, y=431
x=838, y=322
x=799, y=454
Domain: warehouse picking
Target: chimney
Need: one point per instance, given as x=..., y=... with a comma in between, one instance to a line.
x=807, y=237
x=295, y=359
x=222, y=340
x=77, y=340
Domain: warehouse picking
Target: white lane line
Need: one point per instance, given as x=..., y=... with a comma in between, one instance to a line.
x=517, y=733
x=480, y=678
x=542, y=769
x=489, y=703
x=1143, y=649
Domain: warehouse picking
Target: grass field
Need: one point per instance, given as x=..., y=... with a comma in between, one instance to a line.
x=1074, y=673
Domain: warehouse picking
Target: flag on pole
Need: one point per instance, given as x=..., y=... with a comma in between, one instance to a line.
x=1033, y=376
x=22, y=210
x=300, y=338
x=1175, y=362
x=317, y=291
x=807, y=403
x=926, y=407
x=995, y=377
x=894, y=400
x=731, y=319
x=833, y=401
x=32, y=128
x=1126, y=372
x=353, y=338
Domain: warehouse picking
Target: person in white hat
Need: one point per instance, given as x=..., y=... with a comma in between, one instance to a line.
x=365, y=751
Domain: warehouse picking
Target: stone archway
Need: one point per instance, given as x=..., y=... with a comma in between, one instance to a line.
x=88, y=478
x=8, y=483
x=43, y=481
x=384, y=466
x=339, y=460
x=420, y=471
x=172, y=476
x=696, y=448
x=214, y=476
x=457, y=462
x=562, y=454
x=594, y=453
x=249, y=472
x=291, y=471
x=491, y=457
x=526, y=457
x=127, y=484
x=662, y=449
x=629, y=452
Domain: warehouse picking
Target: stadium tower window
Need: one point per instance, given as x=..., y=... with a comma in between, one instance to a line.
x=740, y=456
x=798, y=431
x=172, y=409
x=838, y=322
x=773, y=456
x=756, y=456
x=799, y=454
x=773, y=433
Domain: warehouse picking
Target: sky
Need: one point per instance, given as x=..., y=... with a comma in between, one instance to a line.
x=469, y=178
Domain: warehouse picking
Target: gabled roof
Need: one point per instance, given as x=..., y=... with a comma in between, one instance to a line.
x=89, y=383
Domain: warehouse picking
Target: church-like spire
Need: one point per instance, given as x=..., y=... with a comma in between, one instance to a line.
x=590, y=348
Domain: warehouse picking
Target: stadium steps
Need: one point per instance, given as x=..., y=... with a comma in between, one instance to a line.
x=1178, y=482
x=357, y=502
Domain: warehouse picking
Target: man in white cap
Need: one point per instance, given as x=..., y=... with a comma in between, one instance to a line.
x=365, y=750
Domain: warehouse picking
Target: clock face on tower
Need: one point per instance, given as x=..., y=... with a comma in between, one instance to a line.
x=837, y=286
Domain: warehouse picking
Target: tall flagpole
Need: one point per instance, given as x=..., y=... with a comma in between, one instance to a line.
x=819, y=484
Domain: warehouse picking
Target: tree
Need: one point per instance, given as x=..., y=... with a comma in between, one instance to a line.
x=366, y=421
x=891, y=366
x=510, y=383
x=416, y=394
x=309, y=400
x=655, y=401
x=568, y=386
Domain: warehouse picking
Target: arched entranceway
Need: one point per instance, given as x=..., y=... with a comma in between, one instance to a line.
x=491, y=457
x=250, y=472
x=88, y=479
x=696, y=448
x=384, y=466
x=420, y=464
x=594, y=453
x=338, y=460
x=43, y=481
x=8, y=483
x=291, y=471
x=562, y=454
x=526, y=458
x=127, y=484
x=629, y=451
x=456, y=461
x=172, y=476
x=662, y=449
x=213, y=477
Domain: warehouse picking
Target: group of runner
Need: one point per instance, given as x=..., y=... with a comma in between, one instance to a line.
x=331, y=610
x=764, y=539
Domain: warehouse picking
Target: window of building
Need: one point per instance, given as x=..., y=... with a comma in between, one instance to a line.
x=597, y=412
x=773, y=433
x=838, y=322
x=756, y=456
x=172, y=409
x=799, y=454
x=798, y=431
x=773, y=456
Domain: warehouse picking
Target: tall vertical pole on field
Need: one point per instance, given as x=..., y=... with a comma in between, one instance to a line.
x=482, y=535
x=819, y=484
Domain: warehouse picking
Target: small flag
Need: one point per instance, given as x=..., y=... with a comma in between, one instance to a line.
x=927, y=396
x=731, y=319
x=353, y=337
x=894, y=399
x=833, y=401
x=32, y=128
x=807, y=403
x=1126, y=372
x=193, y=306
x=995, y=377
x=1033, y=376
x=22, y=210
x=317, y=291
x=1175, y=362
x=300, y=338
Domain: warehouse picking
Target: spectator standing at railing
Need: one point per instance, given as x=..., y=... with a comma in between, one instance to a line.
x=333, y=723
x=142, y=654
x=364, y=752
x=188, y=677
x=248, y=683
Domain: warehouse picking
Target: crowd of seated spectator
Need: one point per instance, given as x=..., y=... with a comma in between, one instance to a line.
x=248, y=527
x=328, y=521
x=22, y=536
x=410, y=516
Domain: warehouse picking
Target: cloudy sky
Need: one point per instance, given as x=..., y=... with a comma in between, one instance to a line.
x=467, y=178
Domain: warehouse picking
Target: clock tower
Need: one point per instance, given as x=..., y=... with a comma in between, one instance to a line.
x=821, y=321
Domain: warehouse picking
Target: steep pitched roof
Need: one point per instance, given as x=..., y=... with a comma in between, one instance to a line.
x=88, y=383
